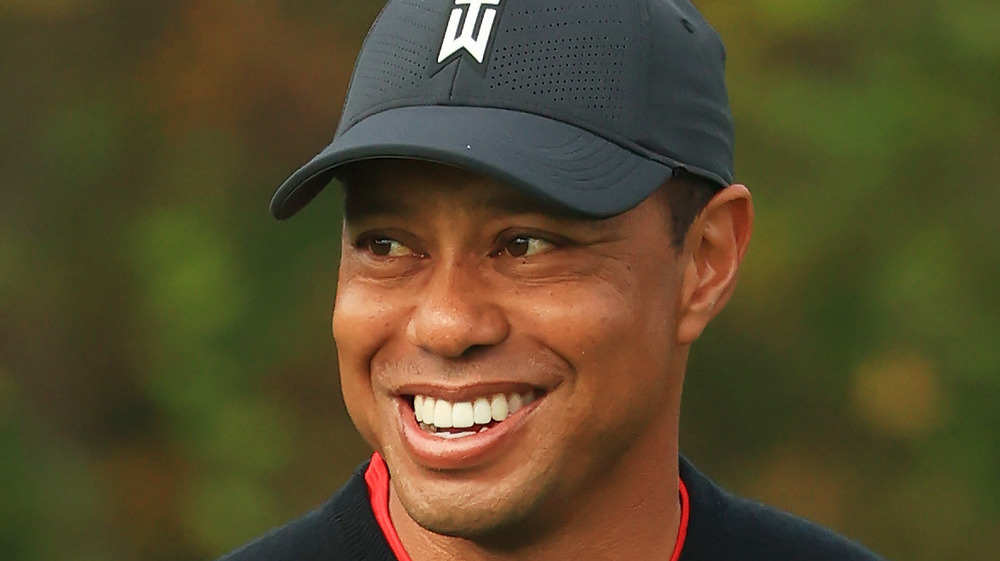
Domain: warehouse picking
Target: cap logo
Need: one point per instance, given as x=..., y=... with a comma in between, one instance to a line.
x=467, y=32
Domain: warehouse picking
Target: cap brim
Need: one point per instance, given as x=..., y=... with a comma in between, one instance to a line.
x=544, y=157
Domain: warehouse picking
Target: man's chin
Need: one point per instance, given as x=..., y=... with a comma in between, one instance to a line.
x=467, y=521
x=487, y=519
x=467, y=526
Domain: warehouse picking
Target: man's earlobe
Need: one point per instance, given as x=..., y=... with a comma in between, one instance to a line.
x=714, y=248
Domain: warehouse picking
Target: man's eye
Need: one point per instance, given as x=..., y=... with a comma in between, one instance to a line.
x=526, y=246
x=387, y=247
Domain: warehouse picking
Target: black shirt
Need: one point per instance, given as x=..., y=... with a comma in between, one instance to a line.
x=721, y=527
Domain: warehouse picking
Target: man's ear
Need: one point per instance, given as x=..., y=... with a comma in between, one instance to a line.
x=713, y=250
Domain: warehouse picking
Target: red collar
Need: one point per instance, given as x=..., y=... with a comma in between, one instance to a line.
x=377, y=478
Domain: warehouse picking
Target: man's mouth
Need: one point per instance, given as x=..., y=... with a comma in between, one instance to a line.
x=446, y=419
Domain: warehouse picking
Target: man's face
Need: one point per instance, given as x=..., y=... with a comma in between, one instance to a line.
x=461, y=296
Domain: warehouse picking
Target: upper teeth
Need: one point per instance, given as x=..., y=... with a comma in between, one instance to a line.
x=464, y=414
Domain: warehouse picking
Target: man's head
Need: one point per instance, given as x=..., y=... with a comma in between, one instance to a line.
x=455, y=288
x=539, y=220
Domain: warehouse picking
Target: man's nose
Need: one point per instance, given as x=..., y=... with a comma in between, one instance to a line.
x=456, y=313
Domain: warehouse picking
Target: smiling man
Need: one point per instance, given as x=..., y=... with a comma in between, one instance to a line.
x=540, y=219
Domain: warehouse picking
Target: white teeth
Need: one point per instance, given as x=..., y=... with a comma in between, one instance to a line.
x=514, y=403
x=498, y=407
x=418, y=408
x=481, y=411
x=455, y=434
x=462, y=415
x=428, y=410
x=442, y=414
x=433, y=414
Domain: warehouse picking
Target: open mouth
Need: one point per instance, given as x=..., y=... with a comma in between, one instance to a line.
x=446, y=419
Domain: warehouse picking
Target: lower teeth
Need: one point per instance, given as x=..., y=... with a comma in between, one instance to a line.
x=442, y=433
x=454, y=434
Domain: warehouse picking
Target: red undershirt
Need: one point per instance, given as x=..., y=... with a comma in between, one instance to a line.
x=377, y=478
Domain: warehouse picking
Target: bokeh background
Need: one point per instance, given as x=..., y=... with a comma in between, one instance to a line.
x=168, y=385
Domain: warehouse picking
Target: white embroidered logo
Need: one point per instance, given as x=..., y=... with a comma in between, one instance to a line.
x=474, y=40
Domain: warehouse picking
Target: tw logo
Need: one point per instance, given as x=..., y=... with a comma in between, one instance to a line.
x=473, y=38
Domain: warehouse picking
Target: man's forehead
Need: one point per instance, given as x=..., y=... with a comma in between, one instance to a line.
x=395, y=186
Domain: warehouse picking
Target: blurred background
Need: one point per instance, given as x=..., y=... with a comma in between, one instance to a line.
x=168, y=384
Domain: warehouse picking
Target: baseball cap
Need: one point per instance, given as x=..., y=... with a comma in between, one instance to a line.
x=590, y=104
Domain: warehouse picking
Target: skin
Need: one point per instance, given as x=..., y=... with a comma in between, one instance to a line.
x=450, y=281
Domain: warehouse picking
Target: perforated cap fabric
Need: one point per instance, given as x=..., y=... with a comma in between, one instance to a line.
x=591, y=105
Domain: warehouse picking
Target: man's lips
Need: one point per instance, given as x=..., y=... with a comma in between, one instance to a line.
x=437, y=415
x=448, y=434
x=447, y=410
x=467, y=392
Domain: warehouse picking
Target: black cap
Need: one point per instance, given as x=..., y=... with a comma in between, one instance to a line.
x=590, y=104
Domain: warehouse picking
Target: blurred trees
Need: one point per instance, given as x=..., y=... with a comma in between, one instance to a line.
x=167, y=382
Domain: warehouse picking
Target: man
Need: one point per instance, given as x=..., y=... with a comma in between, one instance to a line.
x=540, y=218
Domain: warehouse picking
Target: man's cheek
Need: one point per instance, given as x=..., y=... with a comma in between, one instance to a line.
x=361, y=406
x=362, y=319
x=359, y=331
